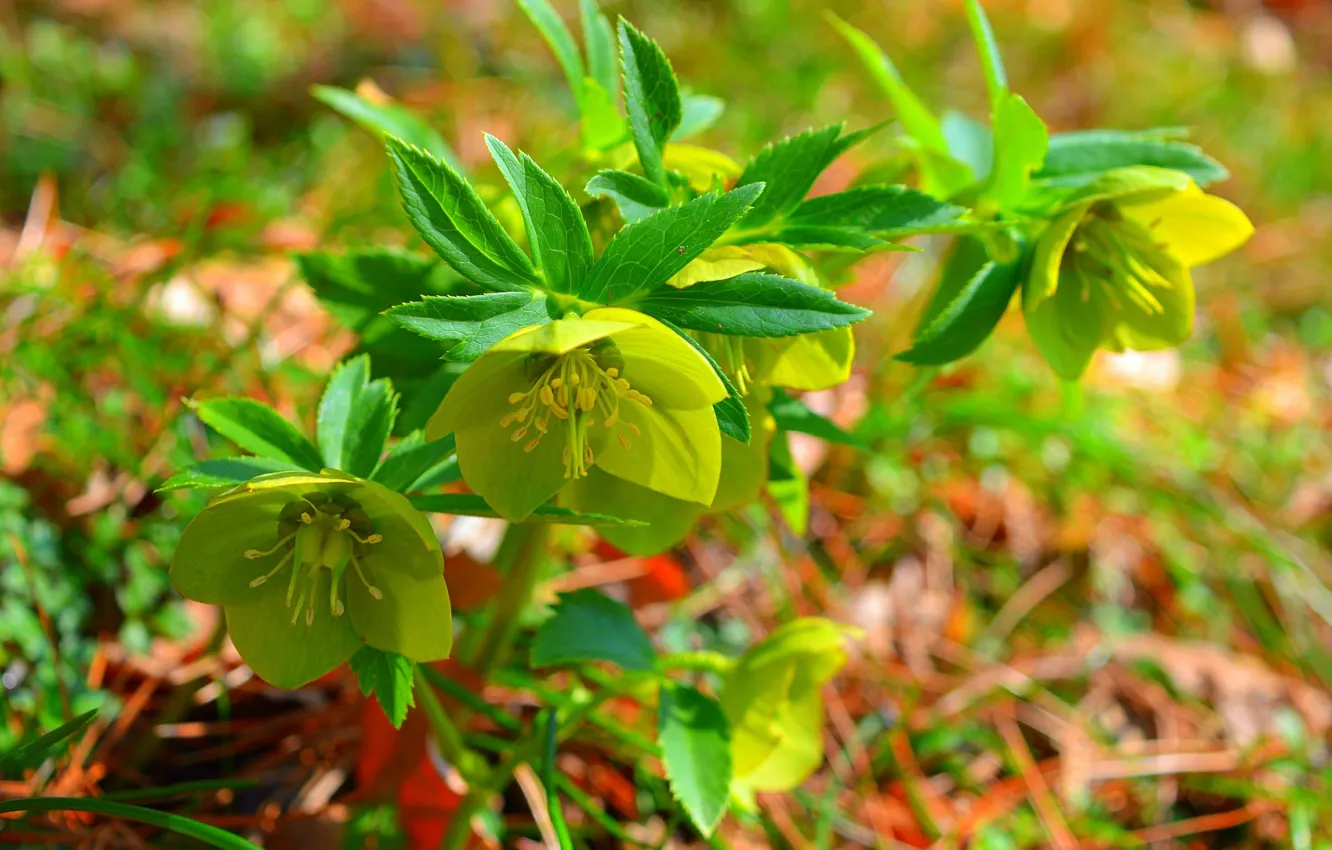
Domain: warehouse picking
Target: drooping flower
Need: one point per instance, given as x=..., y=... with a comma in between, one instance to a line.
x=773, y=701
x=309, y=567
x=1112, y=269
x=613, y=390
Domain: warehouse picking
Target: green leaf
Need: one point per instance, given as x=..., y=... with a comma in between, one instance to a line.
x=469, y=504
x=590, y=626
x=1079, y=157
x=388, y=676
x=474, y=322
x=556, y=231
x=224, y=472
x=599, y=42
x=209, y=835
x=956, y=324
x=969, y=142
x=789, y=168
x=732, y=414
x=355, y=418
x=451, y=218
x=637, y=197
x=996, y=78
x=876, y=209
x=401, y=468
x=649, y=252
x=820, y=239
x=357, y=286
x=919, y=123
x=602, y=125
x=258, y=429
x=38, y=749
x=791, y=414
x=753, y=304
x=788, y=485
x=388, y=117
x=544, y=17
x=651, y=97
x=700, y=111
x=1020, y=141
x=696, y=752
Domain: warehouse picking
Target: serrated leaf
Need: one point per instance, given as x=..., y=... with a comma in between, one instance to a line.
x=699, y=112
x=224, y=472
x=599, y=42
x=28, y=752
x=789, y=168
x=551, y=26
x=561, y=245
x=590, y=626
x=473, y=322
x=1078, y=157
x=1020, y=141
x=636, y=197
x=649, y=252
x=754, y=305
x=355, y=418
x=387, y=117
x=695, y=744
x=387, y=675
x=359, y=285
x=449, y=215
x=402, y=466
x=814, y=238
x=791, y=414
x=651, y=97
x=258, y=429
x=732, y=414
x=876, y=209
x=956, y=327
x=469, y=504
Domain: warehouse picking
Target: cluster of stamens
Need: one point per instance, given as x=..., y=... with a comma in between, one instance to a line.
x=576, y=390
x=1112, y=251
x=322, y=540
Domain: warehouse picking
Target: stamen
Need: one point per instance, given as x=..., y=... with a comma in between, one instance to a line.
x=369, y=541
x=374, y=591
x=253, y=554
x=280, y=564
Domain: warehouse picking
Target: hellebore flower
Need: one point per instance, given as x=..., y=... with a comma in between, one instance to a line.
x=614, y=390
x=773, y=701
x=308, y=567
x=744, y=471
x=1112, y=269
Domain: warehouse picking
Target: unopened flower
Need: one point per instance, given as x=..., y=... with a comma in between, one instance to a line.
x=1112, y=270
x=613, y=390
x=308, y=567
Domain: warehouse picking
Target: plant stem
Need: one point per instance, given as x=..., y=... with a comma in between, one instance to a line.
x=447, y=737
x=519, y=558
x=703, y=660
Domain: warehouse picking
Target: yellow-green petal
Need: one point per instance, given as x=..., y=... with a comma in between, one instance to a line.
x=702, y=167
x=668, y=520
x=1048, y=256
x=413, y=618
x=1195, y=228
x=658, y=363
x=744, y=466
x=475, y=390
x=407, y=533
x=677, y=451
x=1067, y=330
x=807, y=362
x=1138, y=327
x=285, y=655
x=209, y=565
x=716, y=264
x=561, y=336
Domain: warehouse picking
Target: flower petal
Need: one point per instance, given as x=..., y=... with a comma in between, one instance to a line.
x=413, y=618
x=1136, y=327
x=808, y=362
x=669, y=520
x=209, y=565
x=408, y=536
x=678, y=452
x=1066, y=328
x=661, y=364
x=744, y=466
x=1194, y=227
x=474, y=391
x=561, y=336
x=288, y=656
x=1043, y=280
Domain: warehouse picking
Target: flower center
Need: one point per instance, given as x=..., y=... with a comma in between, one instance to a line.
x=577, y=389
x=319, y=534
x=1121, y=256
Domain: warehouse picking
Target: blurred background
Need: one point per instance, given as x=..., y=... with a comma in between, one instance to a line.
x=1145, y=585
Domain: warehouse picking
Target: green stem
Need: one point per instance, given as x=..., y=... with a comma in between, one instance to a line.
x=447, y=737
x=519, y=558
x=703, y=660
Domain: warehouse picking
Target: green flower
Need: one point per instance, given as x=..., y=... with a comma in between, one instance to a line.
x=288, y=554
x=1112, y=269
x=744, y=471
x=774, y=703
x=614, y=390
